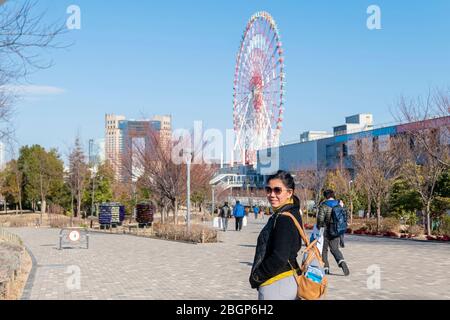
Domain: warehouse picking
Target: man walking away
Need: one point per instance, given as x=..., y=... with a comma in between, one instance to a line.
x=239, y=214
x=256, y=212
x=327, y=210
x=225, y=214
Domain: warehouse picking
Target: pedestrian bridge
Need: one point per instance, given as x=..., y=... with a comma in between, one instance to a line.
x=227, y=181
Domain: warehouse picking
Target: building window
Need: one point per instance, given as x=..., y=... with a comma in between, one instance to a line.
x=344, y=150
x=331, y=151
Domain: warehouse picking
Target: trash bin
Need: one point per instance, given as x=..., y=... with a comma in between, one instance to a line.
x=144, y=214
x=111, y=214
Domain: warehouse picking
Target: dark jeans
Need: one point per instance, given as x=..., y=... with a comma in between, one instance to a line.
x=239, y=222
x=333, y=245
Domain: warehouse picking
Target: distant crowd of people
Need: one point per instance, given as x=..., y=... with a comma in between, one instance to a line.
x=239, y=212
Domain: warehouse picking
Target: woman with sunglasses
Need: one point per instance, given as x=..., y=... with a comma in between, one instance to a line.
x=279, y=243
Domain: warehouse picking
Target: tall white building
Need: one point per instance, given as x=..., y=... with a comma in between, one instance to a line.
x=166, y=127
x=113, y=142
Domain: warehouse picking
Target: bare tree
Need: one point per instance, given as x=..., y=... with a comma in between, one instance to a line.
x=377, y=169
x=339, y=181
x=78, y=172
x=422, y=168
x=313, y=180
x=362, y=186
x=151, y=165
x=6, y=129
x=25, y=40
x=422, y=114
x=304, y=194
x=157, y=171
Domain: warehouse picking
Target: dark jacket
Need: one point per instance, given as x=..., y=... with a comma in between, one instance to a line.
x=324, y=216
x=278, y=243
x=225, y=212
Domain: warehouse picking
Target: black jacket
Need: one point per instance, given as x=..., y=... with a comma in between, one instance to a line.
x=225, y=212
x=278, y=243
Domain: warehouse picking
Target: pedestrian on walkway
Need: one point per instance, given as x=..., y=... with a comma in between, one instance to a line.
x=239, y=214
x=324, y=220
x=225, y=214
x=256, y=212
x=275, y=263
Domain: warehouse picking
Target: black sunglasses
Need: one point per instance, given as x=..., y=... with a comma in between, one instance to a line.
x=276, y=190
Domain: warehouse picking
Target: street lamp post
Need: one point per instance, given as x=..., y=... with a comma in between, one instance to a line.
x=94, y=172
x=188, y=187
x=213, y=201
x=93, y=195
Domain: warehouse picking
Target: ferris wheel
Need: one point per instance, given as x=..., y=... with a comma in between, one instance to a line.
x=258, y=98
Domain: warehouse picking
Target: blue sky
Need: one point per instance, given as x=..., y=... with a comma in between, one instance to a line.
x=177, y=57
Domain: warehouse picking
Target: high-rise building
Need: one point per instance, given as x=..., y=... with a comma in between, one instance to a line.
x=123, y=136
x=113, y=142
x=166, y=128
x=136, y=140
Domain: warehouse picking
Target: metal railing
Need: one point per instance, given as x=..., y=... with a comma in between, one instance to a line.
x=10, y=237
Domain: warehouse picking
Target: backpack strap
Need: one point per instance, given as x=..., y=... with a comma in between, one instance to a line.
x=311, y=248
x=299, y=227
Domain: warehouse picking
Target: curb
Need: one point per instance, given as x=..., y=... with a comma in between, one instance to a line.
x=26, y=293
x=148, y=237
x=403, y=239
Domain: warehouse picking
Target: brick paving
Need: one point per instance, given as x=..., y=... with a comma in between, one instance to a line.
x=118, y=267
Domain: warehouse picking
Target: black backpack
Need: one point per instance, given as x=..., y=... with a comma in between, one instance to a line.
x=338, y=223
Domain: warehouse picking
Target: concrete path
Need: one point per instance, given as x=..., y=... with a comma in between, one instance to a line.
x=129, y=267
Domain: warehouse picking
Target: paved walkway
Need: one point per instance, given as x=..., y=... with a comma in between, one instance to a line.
x=129, y=267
